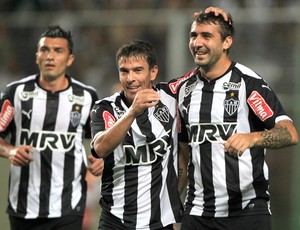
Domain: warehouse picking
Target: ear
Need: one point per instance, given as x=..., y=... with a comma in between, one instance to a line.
x=153, y=73
x=227, y=43
x=70, y=59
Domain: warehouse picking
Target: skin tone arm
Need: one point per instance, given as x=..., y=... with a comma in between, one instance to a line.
x=96, y=166
x=18, y=156
x=109, y=139
x=282, y=135
x=183, y=162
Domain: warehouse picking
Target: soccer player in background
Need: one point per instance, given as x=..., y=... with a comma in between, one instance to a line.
x=46, y=117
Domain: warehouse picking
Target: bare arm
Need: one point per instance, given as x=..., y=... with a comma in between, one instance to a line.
x=282, y=135
x=183, y=162
x=106, y=141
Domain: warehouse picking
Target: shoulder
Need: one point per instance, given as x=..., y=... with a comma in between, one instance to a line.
x=31, y=78
x=87, y=88
x=173, y=85
x=80, y=84
x=108, y=100
x=245, y=71
x=11, y=88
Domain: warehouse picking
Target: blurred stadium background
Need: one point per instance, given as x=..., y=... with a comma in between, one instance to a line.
x=267, y=40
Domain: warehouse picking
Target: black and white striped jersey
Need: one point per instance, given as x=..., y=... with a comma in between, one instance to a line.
x=53, y=185
x=239, y=101
x=139, y=182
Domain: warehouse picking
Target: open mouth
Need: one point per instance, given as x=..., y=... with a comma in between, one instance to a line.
x=133, y=88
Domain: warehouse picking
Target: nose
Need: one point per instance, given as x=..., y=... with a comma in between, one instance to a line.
x=198, y=41
x=50, y=55
x=129, y=77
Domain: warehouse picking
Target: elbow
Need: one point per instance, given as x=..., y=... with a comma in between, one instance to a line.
x=295, y=140
x=295, y=137
x=99, y=150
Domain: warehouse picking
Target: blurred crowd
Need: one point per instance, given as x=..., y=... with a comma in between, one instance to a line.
x=52, y=5
x=95, y=45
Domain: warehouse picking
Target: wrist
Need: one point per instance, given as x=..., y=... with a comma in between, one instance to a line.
x=12, y=153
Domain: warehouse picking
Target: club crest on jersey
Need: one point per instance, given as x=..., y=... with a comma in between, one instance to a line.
x=76, y=99
x=259, y=106
x=109, y=120
x=231, y=86
x=231, y=106
x=26, y=95
x=162, y=114
x=75, y=117
x=6, y=115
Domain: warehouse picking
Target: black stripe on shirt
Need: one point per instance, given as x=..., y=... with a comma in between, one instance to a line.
x=46, y=155
x=231, y=163
x=206, y=150
x=24, y=177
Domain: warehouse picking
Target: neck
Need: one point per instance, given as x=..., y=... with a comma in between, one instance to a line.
x=210, y=73
x=52, y=84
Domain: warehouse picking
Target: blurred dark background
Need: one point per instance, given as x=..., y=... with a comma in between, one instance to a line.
x=267, y=40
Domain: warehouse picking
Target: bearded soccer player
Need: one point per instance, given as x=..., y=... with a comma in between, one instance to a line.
x=231, y=116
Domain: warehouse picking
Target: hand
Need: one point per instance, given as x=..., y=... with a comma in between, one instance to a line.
x=217, y=11
x=144, y=99
x=20, y=156
x=238, y=143
x=96, y=165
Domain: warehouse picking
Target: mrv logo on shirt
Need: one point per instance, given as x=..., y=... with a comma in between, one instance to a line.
x=148, y=153
x=211, y=132
x=56, y=141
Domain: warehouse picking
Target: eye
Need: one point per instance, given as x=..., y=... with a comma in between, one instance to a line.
x=193, y=35
x=123, y=71
x=206, y=35
x=43, y=49
x=59, y=50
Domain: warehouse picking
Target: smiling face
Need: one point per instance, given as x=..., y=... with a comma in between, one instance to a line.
x=207, y=46
x=135, y=75
x=53, y=57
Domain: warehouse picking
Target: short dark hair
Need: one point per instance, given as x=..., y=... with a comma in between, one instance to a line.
x=55, y=31
x=227, y=28
x=138, y=48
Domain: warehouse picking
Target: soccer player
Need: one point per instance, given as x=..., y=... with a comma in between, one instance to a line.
x=46, y=116
x=135, y=131
x=231, y=116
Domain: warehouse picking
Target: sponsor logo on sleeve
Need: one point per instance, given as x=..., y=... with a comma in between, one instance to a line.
x=6, y=115
x=109, y=119
x=174, y=85
x=259, y=106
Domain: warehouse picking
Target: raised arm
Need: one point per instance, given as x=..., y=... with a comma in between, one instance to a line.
x=106, y=141
x=183, y=162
